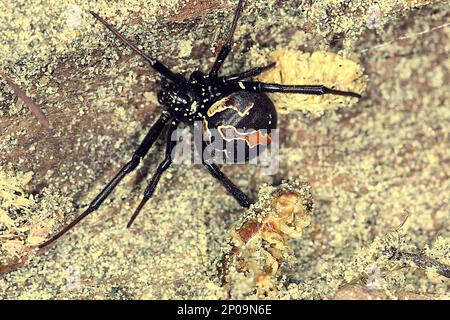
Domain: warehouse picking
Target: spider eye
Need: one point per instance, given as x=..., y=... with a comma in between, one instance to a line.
x=167, y=86
x=161, y=97
x=197, y=77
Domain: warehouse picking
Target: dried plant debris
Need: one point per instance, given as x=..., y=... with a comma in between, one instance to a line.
x=260, y=243
x=25, y=220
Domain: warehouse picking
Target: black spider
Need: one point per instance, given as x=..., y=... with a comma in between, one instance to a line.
x=213, y=101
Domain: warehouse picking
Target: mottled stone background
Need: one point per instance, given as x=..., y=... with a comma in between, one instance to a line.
x=370, y=164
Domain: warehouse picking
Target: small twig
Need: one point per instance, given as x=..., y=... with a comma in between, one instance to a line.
x=423, y=262
x=404, y=220
x=420, y=260
x=34, y=108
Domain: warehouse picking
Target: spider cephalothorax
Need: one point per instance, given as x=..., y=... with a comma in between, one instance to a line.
x=231, y=108
x=180, y=102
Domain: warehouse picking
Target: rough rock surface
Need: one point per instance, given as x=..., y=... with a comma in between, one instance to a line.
x=369, y=164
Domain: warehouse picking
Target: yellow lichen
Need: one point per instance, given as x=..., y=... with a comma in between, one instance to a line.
x=12, y=196
x=329, y=69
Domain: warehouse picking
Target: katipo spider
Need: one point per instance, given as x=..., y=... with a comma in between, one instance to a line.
x=213, y=101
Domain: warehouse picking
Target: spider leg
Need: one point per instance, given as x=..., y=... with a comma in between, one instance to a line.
x=154, y=63
x=281, y=88
x=240, y=196
x=140, y=152
x=163, y=166
x=214, y=170
x=226, y=48
x=247, y=74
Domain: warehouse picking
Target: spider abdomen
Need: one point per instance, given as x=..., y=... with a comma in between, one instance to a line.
x=243, y=121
